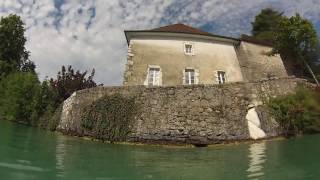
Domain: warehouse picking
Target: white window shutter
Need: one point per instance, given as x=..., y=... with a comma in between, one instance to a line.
x=216, y=77
x=183, y=77
x=160, y=78
x=196, y=76
x=226, y=77
x=155, y=78
x=155, y=74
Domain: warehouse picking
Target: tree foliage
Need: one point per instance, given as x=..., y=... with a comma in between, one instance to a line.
x=297, y=113
x=68, y=81
x=22, y=97
x=17, y=96
x=13, y=54
x=45, y=102
x=266, y=23
x=296, y=39
x=54, y=91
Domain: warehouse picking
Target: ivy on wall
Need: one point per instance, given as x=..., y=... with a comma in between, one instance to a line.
x=297, y=113
x=110, y=117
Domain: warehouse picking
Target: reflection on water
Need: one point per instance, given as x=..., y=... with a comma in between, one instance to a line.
x=18, y=166
x=30, y=153
x=257, y=158
x=60, y=155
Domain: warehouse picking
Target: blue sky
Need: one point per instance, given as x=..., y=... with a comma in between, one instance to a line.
x=89, y=33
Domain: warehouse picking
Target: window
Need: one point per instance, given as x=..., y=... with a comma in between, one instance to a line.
x=154, y=77
x=221, y=77
x=189, y=76
x=188, y=49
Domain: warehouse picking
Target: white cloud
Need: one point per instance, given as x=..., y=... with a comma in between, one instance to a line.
x=89, y=34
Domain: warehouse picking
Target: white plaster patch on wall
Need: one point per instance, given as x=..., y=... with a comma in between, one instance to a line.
x=254, y=125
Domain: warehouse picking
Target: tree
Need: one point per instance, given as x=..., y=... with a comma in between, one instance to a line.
x=17, y=94
x=22, y=97
x=13, y=54
x=317, y=71
x=53, y=92
x=297, y=38
x=45, y=102
x=68, y=81
x=298, y=112
x=266, y=23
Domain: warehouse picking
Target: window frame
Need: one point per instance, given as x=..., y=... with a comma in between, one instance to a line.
x=221, y=79
x=185, y=44
x=188, y=76
x=156, y=77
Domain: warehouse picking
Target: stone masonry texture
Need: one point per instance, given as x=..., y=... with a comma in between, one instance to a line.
x=256, y=64
x=198, y=114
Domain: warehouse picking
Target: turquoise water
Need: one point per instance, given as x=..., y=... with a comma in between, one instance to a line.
x=30, y=153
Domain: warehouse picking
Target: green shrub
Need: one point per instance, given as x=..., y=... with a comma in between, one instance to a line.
x=110, y=117
x=49, y=99
x=297, y=113
x=45, y=104
x=17, y=95
x=22, y=98
x=50, y=118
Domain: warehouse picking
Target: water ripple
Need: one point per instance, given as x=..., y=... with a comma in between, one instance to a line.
x=21, y=167
x=257, y=158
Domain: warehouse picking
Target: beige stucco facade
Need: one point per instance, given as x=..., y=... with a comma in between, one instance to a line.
x=239, y=60
x=169, y=55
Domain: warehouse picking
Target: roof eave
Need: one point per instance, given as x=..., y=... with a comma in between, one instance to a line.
x=128, y=40
x=203, y=36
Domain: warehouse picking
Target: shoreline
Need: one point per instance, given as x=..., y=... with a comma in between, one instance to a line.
x=171, y=144
x=167, y=144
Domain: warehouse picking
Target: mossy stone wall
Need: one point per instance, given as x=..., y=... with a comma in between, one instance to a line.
x=200, y=114
x=110, y=117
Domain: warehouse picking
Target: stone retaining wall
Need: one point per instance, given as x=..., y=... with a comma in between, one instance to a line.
x=199, y=114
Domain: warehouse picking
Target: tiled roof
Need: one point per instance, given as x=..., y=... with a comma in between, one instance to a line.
x=254, y=40
x=181, y=28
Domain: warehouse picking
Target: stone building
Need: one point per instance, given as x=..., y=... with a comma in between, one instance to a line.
x=181, y=55
x=202, y=114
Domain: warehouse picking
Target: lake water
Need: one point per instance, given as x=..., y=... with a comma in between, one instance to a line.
x=30, y=153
